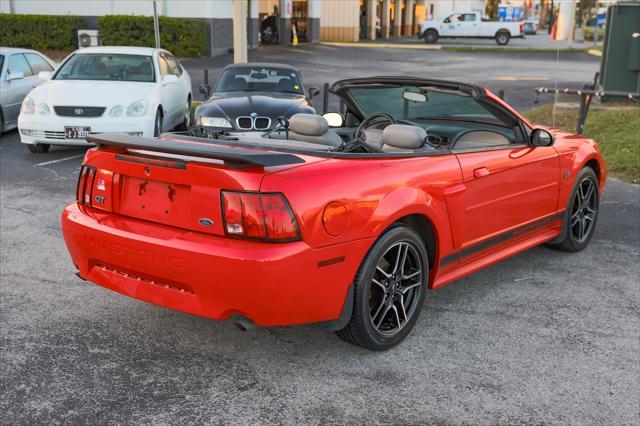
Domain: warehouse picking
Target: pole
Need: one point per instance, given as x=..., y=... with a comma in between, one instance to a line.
x=239, y=31
x=156, y=26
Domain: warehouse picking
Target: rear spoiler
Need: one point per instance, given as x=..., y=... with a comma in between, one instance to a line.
x=238, y=156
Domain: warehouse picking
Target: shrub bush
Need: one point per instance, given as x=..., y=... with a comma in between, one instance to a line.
x=40, y=31
x=182, y=37
x=588, y=32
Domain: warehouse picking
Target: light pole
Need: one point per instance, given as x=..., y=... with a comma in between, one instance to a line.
x=156, y=26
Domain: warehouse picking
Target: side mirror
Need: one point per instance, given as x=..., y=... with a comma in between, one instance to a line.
x=313, y=91
x=335, y=119
x=205, y=89
x=45, y=75
x=541, y=137
x=15, y=75
x=170, y=78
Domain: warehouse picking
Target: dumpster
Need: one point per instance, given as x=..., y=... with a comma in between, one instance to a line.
x=620, y=66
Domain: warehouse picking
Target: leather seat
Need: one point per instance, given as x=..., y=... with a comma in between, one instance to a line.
x=403, y=137
x=313, y=129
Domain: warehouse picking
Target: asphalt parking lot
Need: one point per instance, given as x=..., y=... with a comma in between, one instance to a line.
x=544, y=337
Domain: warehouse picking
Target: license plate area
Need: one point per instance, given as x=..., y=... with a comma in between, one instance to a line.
x=76, y=132
x=155, y=201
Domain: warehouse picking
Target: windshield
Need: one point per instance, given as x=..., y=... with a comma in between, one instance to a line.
x=440, y=104
x=243, y=79
x=112, y=67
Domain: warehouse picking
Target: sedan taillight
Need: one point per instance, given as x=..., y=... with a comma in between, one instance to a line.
x=259, y=216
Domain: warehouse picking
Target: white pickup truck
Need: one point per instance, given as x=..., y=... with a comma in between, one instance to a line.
x=470, y=25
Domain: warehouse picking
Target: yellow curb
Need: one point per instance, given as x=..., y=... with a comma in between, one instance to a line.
x=384, y=45
x=595, y=52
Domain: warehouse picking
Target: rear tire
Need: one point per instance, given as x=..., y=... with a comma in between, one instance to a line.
x=430, y=36
x=186, y=120
x=581, y=215
x=39, y=148
x=502, y=38
x=157, y=127
x=388, y=291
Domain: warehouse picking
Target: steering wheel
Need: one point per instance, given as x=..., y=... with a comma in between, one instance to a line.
x=359, y=133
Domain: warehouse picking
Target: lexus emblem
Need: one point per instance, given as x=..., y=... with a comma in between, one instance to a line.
x=79, y=111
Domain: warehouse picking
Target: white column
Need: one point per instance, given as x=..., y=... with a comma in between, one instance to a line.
x=239, y=31
x=371, y=19
x=385, y=20
x=397, y=18
x=566, y=19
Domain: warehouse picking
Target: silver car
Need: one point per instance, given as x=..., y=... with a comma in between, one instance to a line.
x=19, y=70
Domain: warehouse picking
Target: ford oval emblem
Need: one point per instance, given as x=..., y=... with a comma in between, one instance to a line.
x=205, y=221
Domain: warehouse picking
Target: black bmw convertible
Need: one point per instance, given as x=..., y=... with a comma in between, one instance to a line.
x=252, y=97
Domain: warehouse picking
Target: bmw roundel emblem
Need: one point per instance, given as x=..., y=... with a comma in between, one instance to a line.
x=79, y=111
x=253, y=114
x=205, y=221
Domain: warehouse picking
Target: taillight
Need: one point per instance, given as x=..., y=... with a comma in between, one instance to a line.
x=521, y=27
x=259, y=216
x=94, y=188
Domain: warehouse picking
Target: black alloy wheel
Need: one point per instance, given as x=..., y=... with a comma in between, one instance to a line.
x=581, y=215
x=389, y=290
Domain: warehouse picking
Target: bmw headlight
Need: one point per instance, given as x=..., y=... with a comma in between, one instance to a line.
x=116, y=111
x=214, y=122
x=43, y=109
x=28, y=106
x=137, y=108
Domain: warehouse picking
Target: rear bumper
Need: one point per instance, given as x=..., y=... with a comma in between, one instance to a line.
x=215, y=277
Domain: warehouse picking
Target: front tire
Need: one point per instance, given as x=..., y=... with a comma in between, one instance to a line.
x=38, y=148
x=430, y=36
x=389, y=291
x=157, y=126
x=502, y=38
x=582, y=213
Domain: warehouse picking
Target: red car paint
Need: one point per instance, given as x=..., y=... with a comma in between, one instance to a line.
x=146, y=239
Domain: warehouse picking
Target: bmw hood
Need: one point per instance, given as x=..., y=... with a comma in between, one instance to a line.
x=231, y=105
x=91, y=93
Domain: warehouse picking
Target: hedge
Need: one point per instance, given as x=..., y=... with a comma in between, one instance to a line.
x=588, y=33
x=181, y=36
x=40, y=31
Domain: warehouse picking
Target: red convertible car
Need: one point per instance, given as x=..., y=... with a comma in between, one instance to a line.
x=420, y=183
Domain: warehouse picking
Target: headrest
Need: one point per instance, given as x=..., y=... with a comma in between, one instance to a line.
x=404, y=136
x=308, y=124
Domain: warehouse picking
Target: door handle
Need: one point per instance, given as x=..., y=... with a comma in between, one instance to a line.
x=480, y=172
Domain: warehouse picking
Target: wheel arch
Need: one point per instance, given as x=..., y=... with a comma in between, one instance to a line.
x=423, y=225
x=502, y=30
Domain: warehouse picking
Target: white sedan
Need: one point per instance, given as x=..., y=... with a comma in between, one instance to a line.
x=134, y=90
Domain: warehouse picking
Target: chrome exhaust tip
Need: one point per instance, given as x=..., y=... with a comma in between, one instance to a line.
x=243, y=323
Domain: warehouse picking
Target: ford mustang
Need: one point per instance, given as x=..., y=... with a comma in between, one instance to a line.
x=420, y=183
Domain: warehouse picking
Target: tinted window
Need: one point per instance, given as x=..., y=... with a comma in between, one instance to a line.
x=259, y=79
x=164, y=65
x=101, y=66
x=469, y=17
x=439, y=105
x=1, y=62
x=174, y=66
x=17, y=63
x=37, y=63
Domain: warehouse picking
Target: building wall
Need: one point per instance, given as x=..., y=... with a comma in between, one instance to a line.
x=339, y=20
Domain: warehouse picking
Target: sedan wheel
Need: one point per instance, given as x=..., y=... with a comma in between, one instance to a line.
x=186, y=120
x=39, y=148
x=157, y=128
x=389, y=290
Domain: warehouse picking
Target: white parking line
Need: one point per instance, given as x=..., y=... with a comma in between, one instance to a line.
x=46, y=163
